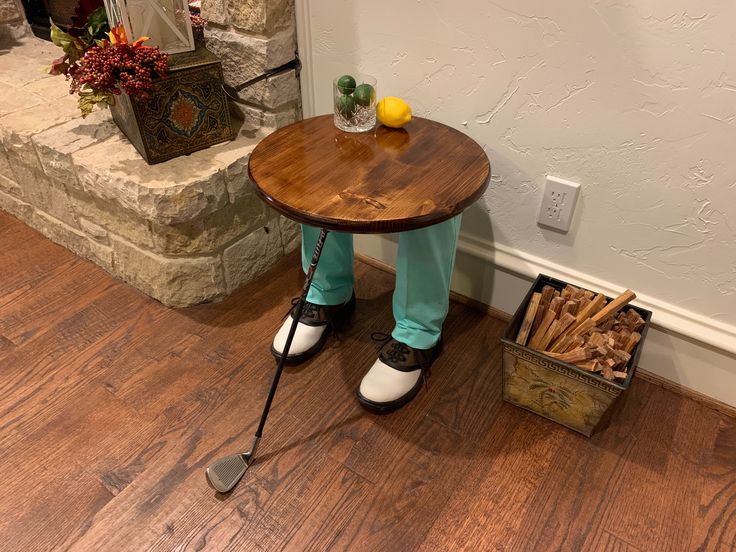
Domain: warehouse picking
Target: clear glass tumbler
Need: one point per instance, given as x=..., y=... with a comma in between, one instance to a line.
x=355, y=102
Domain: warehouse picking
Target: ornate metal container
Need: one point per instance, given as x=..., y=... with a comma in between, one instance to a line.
x=186, y=112
x=557, y=390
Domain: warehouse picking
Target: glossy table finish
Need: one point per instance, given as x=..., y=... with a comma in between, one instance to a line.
x=387, y=180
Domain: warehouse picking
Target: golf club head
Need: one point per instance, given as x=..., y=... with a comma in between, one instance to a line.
x=224, y=474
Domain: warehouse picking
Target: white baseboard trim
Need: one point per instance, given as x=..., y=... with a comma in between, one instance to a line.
x=680, y=347
x=666, y=316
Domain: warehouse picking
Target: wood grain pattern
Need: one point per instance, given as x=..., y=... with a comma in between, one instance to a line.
x=387, y=180
x=112, y=405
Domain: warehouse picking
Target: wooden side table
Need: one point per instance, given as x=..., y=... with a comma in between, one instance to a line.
x=388, y=180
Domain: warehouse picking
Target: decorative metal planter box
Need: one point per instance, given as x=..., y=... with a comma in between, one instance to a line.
x=554, y=389
x=186, y=112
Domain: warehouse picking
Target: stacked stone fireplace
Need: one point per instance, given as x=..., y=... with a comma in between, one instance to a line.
x=185, y=231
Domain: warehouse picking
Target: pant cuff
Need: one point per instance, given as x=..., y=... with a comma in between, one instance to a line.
x=331, y=297
x=418, y=339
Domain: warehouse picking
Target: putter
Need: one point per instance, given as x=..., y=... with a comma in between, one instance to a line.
x=224, y=474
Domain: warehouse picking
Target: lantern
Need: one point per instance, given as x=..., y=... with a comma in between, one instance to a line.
x=166, y=22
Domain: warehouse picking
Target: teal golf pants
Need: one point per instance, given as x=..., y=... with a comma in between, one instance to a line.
x=423, y=271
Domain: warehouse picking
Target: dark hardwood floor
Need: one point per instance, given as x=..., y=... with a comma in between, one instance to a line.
x=112, y=405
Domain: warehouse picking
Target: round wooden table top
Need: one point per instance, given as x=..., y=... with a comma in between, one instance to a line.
x=386, y=180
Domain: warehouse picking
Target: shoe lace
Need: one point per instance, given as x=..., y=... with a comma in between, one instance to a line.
x=398, y=353
x=308, y=311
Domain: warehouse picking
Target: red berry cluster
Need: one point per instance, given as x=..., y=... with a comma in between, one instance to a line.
x=198, y=22
x=113, y=67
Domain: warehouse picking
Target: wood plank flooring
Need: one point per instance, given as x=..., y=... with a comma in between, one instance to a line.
x=112, y=405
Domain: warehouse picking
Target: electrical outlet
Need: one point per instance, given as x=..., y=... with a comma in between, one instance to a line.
x=558, y=203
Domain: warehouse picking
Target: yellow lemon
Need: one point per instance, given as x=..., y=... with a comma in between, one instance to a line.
x=393, y=112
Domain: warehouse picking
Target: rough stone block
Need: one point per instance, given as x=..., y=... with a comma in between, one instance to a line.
x=11, y=33
x=252, y=255
x=55, y=146
x=274, y=92
x=112, y=218
x=215, y=11
x=255, y=119
x=245, y=57
x=239, y=185
x=174, y=282
x=19, y=209
x=5, y=169
x=176, y=191
x=9, y=11
x=97, y=233
x=291, y=234
x=261, y=16
x=209, y=234
x=44, y=193
x=72, y=239
x=10, y=186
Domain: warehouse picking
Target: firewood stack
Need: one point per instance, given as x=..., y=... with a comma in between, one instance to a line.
x=578, y=327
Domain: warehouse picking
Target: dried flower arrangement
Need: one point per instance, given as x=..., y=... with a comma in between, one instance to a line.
x=101, y=63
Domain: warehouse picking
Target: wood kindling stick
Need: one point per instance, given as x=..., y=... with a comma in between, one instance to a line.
x=632, y=341
x=569, y=306
x=606, y=325
x=589, y=365
x=614, y=306
x=607, y=372
x=575, y=342
x=622, y=358
x=561, y=344
x=587, y=325
x=593, y=307
x=547, y=294
x=556, y=305
x=547, y=337
x=547, y=320
x=531, y=313
x=576, y=355
x=557, y=327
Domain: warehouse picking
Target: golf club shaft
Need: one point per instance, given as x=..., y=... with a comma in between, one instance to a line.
x=292, y=330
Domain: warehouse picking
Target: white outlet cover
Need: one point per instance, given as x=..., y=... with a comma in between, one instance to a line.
x=558, y=203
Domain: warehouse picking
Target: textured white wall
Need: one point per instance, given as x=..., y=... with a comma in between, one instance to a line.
x=636, y=100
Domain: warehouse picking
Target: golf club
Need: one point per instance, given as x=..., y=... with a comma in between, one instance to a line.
x=224, y=474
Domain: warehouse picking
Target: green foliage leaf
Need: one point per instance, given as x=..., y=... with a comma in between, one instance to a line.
x=72, y=47
x=98, y=19
x=88, y=99
x=59, y=37
x=97, y=26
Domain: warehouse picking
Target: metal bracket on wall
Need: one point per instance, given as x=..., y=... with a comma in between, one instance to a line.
x=232, y=91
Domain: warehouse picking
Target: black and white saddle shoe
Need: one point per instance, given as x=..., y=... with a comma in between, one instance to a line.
x=397, y=376
x=315, y=325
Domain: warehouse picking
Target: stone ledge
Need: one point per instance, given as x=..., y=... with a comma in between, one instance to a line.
x=185, y=231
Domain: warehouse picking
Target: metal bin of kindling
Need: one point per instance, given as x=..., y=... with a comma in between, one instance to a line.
x=557, y=390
